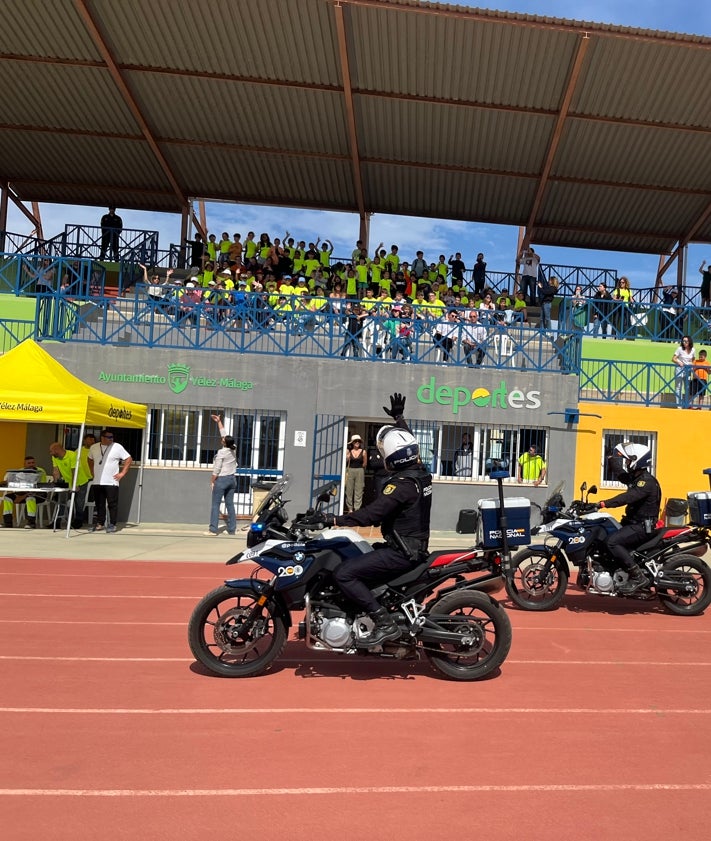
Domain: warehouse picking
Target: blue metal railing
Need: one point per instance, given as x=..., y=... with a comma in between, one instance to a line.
x=110, y=321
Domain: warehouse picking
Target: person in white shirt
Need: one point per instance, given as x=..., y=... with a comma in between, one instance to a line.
x=109, y=463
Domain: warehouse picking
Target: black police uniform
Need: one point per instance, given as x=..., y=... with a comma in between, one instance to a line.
x=402, y=509
x=642, y=498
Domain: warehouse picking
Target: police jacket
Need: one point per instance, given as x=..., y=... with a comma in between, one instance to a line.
x=403, y=506
x=642, y=498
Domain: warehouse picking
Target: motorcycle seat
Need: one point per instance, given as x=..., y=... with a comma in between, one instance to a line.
x=654, y=541
x=409, y=576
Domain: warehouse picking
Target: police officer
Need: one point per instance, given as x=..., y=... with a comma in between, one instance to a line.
x=643, y=497
x=402, y=509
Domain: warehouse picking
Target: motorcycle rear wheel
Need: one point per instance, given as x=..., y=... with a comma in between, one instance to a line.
x=486, y=635
x=212, y=633
x=693, y=603
x=524, y=587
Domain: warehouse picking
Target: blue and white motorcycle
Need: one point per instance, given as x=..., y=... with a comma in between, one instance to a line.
x=576, y=536
x=241, y=628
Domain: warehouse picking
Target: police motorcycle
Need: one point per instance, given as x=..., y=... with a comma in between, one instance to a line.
x=240, y=628
x=576, y=536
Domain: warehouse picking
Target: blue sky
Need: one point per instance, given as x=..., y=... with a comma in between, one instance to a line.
x=498, y=242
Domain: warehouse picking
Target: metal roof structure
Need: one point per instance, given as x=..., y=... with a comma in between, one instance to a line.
x=589, y=135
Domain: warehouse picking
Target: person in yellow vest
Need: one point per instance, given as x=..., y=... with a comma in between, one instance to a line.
x=224, y=250
x=531, y=467
x=11, y=499
x=211, y=248
x=63, y=465
x=250, y=248
x=325, y=253
x=362, y=272
x=393, y=259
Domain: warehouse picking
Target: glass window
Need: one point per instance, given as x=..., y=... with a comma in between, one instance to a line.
x=610, y=439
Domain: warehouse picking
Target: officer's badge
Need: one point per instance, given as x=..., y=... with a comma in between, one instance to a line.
x=641, y=483
x=388, y=489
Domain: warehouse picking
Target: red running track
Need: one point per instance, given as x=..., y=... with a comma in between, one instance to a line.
x=598, y=726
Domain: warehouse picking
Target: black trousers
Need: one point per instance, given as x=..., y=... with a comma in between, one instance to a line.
x=374, y=568
x=106, y=496
x=628, y=537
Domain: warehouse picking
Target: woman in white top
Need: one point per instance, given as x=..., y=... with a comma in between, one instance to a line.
x=224, y=482
x=683, y=358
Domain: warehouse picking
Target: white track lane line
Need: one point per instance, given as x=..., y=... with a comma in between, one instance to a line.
x=354, y=711
x=340, y=790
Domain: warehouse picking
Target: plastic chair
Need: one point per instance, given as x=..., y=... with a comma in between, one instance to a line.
x=504, y=349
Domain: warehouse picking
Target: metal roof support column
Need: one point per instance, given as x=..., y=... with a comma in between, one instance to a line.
x=184, y=223
x=364, y=231
x=38, y=216
x=350, y=113
x=4, y=194
x=12, y=195
x=128, y=98
x=555, y=139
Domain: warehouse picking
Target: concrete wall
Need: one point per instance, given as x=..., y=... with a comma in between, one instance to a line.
x=304, y=388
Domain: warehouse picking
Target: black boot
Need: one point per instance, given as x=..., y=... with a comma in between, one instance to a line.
x=31, y=523
x=7, y=521
x=385, y=629
x=636, y=580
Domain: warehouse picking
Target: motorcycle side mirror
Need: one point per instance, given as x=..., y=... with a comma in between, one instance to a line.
x=583, y=488
x=325, y=497
x=593, y=490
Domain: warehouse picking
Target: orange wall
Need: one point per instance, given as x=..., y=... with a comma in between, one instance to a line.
x=683, y=445
x=14, y=441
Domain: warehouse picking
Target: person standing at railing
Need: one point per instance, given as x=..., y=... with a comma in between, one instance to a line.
x=684, y=357
x=602, y=302
x=479, y=274
x=529, y=262
x=622, y=294
x=547, y=290
x=111, y=227
x=705, y=291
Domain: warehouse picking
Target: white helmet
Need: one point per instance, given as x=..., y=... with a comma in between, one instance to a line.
x=634, y=456
x=398, y=447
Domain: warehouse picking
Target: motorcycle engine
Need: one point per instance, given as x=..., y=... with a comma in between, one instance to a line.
x=332, y=627
x=602, y=582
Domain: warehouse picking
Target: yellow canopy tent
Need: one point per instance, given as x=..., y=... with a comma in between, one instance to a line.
x=35, y=388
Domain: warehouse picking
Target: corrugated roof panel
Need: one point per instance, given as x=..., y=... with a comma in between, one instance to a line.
x=98, y=196
x=634, y=155
x=269, y=39
x=599, y=208
x=47, y=95
x=467, y=60
x=263, y=178
x=406, y=130
x=606, y=242
x=637, y=80
x=27, y=155
x=235, y=112
x=449, y=195
x=48, y=28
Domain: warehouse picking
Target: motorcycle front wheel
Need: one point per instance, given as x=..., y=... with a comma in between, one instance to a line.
x=530, y=587
x=697, y=576
x=214, y=633
x=485, y=632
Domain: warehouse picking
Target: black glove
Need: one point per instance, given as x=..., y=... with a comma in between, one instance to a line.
x=316, y=520
x=397, y=406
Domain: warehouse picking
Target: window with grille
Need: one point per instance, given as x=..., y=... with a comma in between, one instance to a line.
x=186, y=436
x=463, y=453
x=610, y=439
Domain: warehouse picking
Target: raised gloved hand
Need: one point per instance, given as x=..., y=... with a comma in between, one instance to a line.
x=397, y=406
